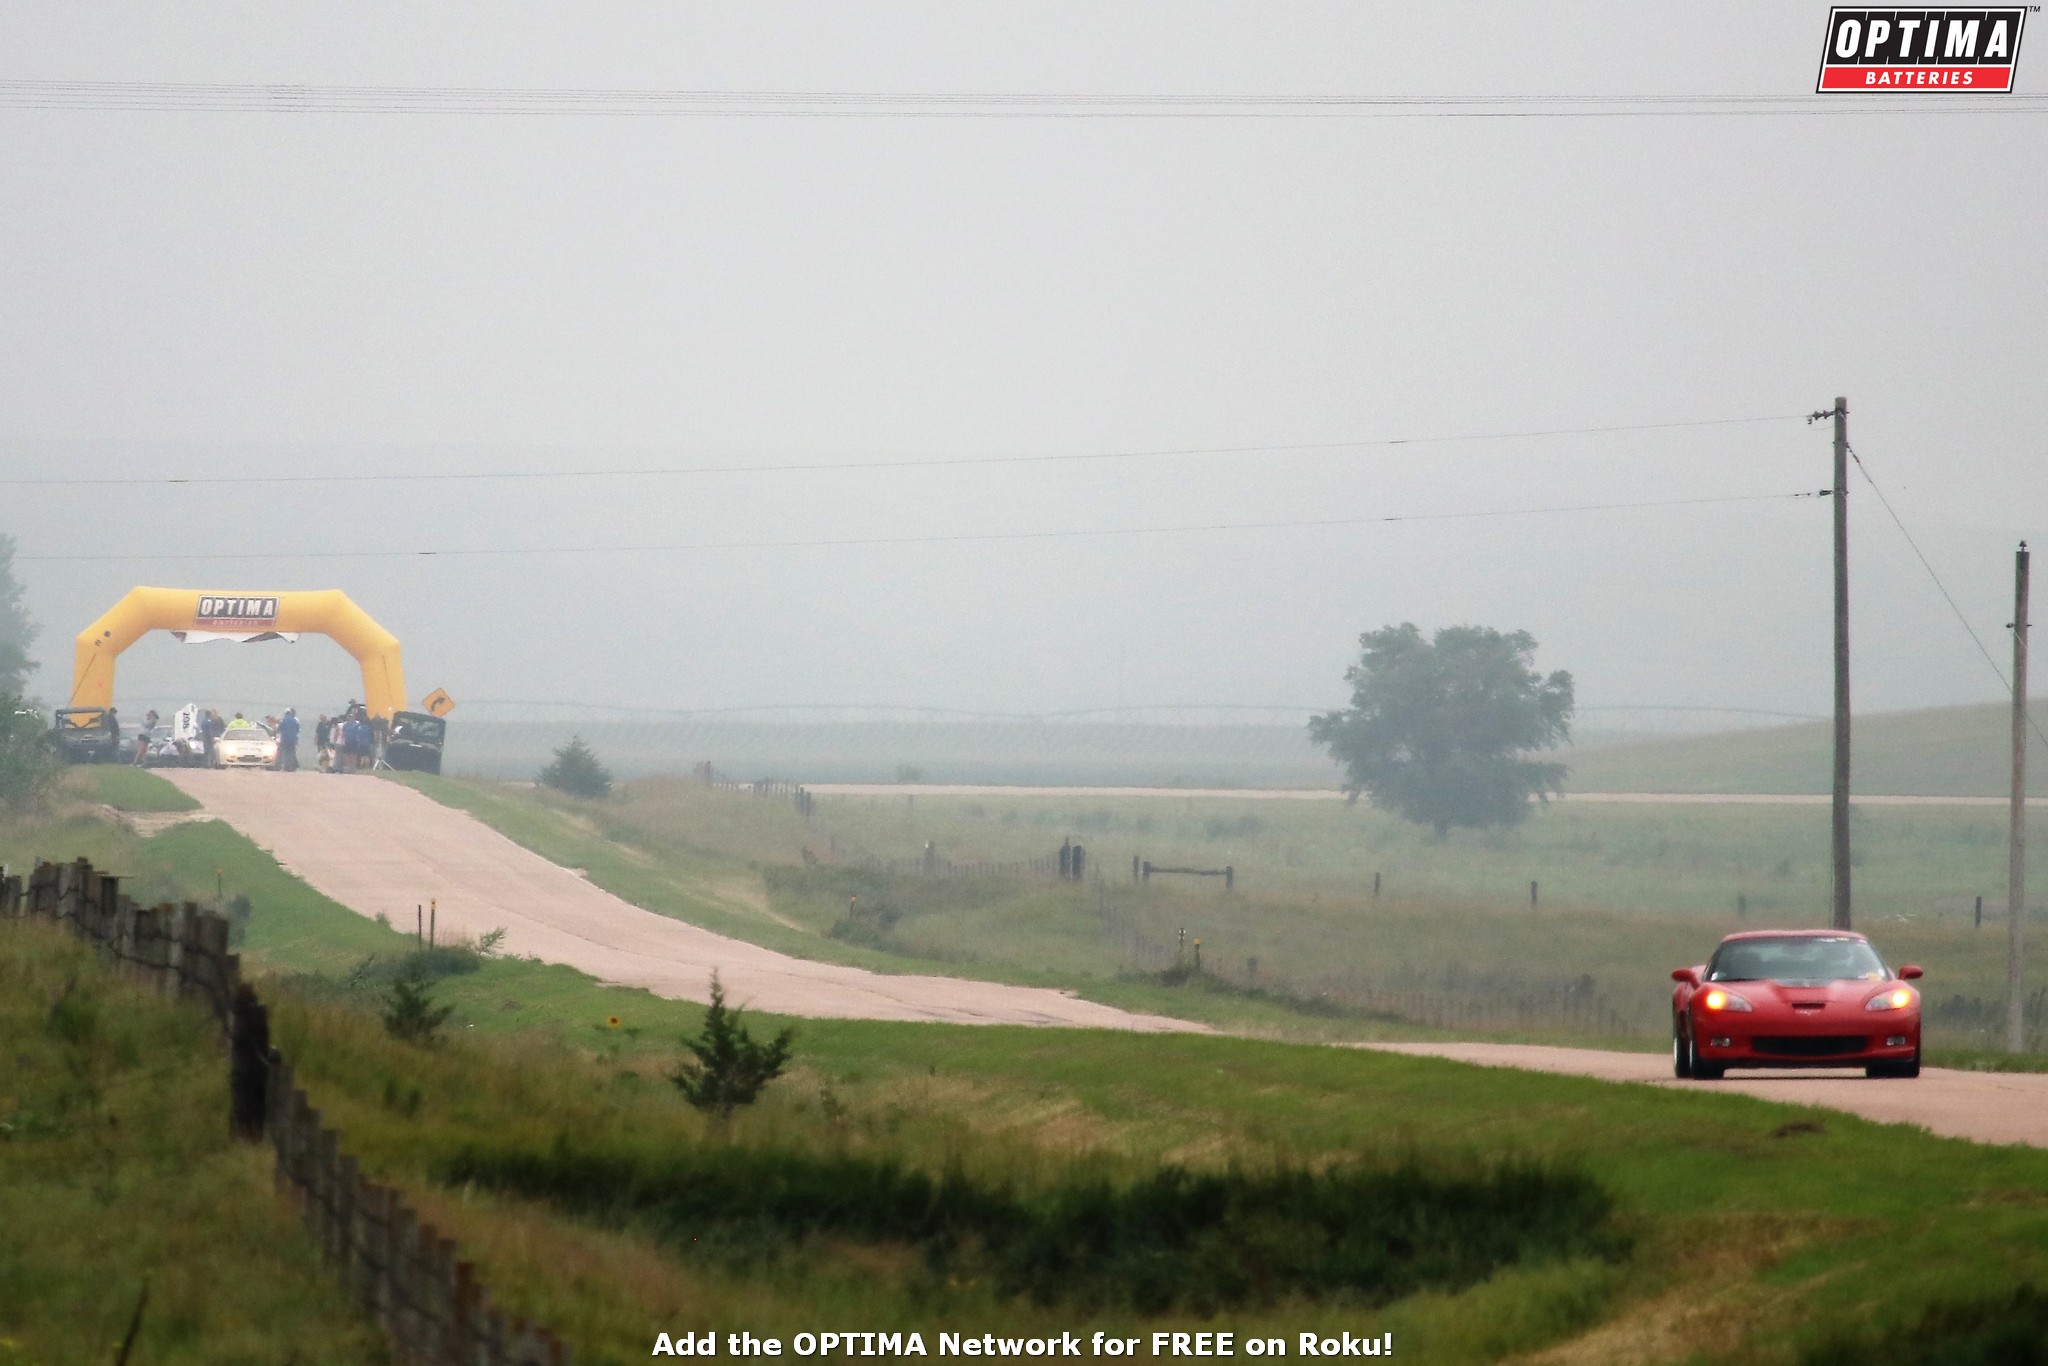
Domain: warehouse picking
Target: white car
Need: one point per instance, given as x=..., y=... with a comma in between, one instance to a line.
x=245, y=744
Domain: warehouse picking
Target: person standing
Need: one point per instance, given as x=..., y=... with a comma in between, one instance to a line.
x=359, y=742
x=288, y=741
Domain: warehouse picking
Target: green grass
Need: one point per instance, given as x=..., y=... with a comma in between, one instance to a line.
x=126, y=788
x=1302, y=948
x=1839, y=1224
x=1836, y=1226
x=116, y=1173
x=1173, y=1239
x=1940, y=752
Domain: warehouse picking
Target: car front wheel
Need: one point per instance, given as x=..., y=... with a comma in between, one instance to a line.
x=1681, y=1051
x=1694, y=1068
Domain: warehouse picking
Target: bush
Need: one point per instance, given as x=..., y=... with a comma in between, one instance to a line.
x=1174, y=1239
x=237, y=913
x=409, y=1010
x=577, y=771
x=732, y=1067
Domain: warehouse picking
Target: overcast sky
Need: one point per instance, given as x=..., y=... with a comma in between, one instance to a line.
x=259, y=293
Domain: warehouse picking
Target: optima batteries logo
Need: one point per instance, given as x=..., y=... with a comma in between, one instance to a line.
x=235, y=613
x=1889, y=50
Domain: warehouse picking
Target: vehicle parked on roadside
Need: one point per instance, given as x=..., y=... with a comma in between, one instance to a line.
x=88, y=735
x=415, y=742
x=1795, y=998
x=245, y=744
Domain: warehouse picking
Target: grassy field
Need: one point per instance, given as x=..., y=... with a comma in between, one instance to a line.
x=1941, y=752
x=1301, y=946
x=126, y=788
x=1747, y=1240
x=1737, y=1230
x=1746, y=1231
x=117, y=1174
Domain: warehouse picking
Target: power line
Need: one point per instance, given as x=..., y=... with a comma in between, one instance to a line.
x=1940, y=587
x=897, y=463
x=277, y=98
x=942, y=539
x=1071, y=713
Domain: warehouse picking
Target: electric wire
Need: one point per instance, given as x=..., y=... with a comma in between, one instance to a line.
x=1070, y=713
x=949, y=538
x=284, y=98
x=899, y=463
x=1941, y=587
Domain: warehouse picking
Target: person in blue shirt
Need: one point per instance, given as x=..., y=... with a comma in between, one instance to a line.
x=288, y=741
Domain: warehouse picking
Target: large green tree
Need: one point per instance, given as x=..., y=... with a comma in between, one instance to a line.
x=17, y=630
x=1440, y=730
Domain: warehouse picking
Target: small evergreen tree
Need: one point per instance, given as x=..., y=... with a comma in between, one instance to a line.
x=731, y=1067
x=577, y=772
x=409, y=1010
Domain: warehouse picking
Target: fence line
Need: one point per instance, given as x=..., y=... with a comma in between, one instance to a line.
x=799, y=796
x=399, y=1269
x=938, y=867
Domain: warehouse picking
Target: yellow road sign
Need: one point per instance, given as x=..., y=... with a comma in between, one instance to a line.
x=438, y=703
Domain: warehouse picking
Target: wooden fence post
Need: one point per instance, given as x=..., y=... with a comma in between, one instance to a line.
x=399, y=1255
x=248, y=1065
x=347, y=1180
x=322, y=1173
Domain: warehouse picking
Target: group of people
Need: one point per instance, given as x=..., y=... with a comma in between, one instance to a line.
x=351, y=742
x=205, y=729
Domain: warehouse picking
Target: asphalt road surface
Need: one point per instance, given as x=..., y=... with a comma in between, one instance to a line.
x=1990, y=1107
x=377, y=846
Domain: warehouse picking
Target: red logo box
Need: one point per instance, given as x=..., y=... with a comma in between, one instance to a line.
x=1886, y=51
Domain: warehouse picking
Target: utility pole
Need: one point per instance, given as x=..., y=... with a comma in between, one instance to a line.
x=1842, y=918
x=2016, y=848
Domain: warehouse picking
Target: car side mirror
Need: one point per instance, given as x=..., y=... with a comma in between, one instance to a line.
x=1909, y=972
x=1689, y=976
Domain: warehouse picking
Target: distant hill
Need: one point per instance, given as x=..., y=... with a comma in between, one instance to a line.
x=997, y=751
x=1942, y=752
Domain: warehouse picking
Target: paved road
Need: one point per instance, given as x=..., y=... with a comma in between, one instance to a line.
x=1990, y=1107
x=1331, y=794
x=376, y=846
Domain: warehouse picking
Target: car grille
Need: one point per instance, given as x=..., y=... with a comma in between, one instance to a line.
x=1809, y=1045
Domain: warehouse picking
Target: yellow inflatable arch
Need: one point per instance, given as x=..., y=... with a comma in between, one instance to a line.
x=326, y=612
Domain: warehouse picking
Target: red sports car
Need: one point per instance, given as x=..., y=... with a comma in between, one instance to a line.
x=1795, y=998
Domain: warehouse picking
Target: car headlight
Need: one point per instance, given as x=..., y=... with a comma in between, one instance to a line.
x=1718, y=999
x=1898, y=998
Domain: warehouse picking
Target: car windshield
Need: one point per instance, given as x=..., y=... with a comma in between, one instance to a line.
x=1796, y=960
x=425, y=730
x=246, y=730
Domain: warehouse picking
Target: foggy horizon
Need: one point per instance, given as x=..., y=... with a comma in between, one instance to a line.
x=248, y=294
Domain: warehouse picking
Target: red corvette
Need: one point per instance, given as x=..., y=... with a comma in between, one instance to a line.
x=1795, y=998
